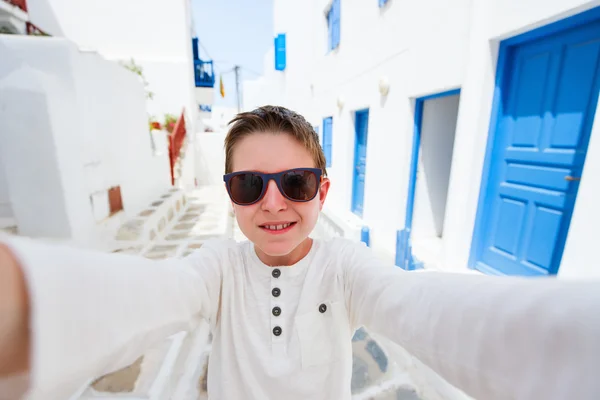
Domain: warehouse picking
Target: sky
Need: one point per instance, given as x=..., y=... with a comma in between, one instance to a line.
x=233, y=32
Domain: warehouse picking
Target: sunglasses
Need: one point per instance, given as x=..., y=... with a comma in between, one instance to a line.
x=298, y=184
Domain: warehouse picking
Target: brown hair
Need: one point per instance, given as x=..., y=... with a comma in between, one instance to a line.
x=273, y=119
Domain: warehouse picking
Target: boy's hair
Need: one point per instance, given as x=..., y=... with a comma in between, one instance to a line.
x=276, y=120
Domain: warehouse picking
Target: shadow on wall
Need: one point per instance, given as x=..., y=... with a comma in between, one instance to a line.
x=437, y=144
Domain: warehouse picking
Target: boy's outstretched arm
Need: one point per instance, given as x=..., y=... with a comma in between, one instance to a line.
x=71, y=315
x=14, y=316
x=495, y=338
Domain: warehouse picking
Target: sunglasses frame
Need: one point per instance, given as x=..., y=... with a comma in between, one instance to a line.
x=275, y=177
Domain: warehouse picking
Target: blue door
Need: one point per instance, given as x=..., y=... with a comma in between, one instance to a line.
x=548, y=101
x=360, y=161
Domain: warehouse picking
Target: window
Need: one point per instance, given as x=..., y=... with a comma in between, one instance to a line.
x=280, y=57
x=333, y=24
x=327, y=139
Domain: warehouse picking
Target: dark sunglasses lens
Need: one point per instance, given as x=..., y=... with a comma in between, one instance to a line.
x=245, y=188
x=300, y=185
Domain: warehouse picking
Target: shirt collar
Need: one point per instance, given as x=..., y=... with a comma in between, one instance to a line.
x=286, y=271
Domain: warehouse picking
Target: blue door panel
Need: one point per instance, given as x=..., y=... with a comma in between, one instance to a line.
x=548, y=104
x=534, y=176
x=360, y=162
x=574, y=94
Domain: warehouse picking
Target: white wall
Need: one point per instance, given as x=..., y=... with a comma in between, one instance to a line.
x=579, y=258
x=435, y=159
x=5, y=207
x=421, y=48
x=72, y=124
x=210, y=158
x=156, y=33
x=375, y=43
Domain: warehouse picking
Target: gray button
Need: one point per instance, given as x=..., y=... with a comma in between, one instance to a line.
x=276, y=311
x=277, y=331
x=276, y=292
x=276, y=273
x=322, y=308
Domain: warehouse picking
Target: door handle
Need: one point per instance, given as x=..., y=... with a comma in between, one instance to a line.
x=572, y=178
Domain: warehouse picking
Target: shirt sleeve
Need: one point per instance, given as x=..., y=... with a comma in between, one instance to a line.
x=93, y=313
x=495, y=338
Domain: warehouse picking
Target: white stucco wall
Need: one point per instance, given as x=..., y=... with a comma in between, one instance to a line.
x=72, y=124
x=157, y=34
x=210, y=158
x=5, y=207
x=421, y=48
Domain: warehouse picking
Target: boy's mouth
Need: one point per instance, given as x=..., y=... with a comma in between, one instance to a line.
x=277, y=228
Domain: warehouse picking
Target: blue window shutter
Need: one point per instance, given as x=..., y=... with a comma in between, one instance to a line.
x=336, y=23
x=327, y=139
x=195, y=48
x=330, y=29
x=280, y=52
x=382, y=3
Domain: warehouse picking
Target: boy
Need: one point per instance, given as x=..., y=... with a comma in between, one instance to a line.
x=283, y=307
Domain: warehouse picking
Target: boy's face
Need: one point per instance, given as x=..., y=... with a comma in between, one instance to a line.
x=270, y=153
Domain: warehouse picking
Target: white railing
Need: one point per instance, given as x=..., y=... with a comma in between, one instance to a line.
x=334, y=223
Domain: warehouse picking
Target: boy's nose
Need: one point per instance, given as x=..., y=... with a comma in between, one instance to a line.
x=273, y=200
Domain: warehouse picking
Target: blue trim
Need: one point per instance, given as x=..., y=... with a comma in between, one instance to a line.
x=562, y=25
x=451, y=92
x=404, y=256
x=195, y=48
x=485, y=189
x=280, y=52
x=365, y=235
x=358, y=194
x=327, y=140
x=497, y=110
x=205, y=107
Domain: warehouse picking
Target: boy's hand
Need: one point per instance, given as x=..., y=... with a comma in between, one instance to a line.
x=14, y=316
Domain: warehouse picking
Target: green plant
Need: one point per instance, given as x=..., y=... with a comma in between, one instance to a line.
x=170, y=121
x=139, y=71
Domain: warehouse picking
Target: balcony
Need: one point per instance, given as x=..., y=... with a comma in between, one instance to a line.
x=204, y=74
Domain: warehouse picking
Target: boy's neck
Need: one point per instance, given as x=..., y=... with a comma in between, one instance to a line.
x=289, y=259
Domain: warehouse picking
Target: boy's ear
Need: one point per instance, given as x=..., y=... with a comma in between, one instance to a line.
x=325, y=184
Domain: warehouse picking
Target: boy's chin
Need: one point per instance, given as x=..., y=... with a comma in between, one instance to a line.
x=278, y=249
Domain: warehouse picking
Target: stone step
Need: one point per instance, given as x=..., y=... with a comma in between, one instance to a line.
x=151, y=222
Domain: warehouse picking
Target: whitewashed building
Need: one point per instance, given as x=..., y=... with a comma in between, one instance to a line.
x=76, y=145
x=462, y=134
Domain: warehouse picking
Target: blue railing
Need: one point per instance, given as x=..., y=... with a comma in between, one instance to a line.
x=204, y=73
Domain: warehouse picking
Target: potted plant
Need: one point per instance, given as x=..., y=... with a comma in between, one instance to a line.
x=170, y=121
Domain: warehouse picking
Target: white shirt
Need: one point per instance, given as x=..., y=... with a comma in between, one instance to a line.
x=494, y=338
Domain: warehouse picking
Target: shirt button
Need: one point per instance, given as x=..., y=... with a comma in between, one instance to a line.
x=322, y=308
x=277, y=331
x=276, y=311
x=276, y=273
x=276, y=292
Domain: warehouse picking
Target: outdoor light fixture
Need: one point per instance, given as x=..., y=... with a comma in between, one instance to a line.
x=384, y=85
x=340, y=102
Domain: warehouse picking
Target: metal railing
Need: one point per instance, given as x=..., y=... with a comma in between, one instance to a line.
x=22, y=4
x=204, y=73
